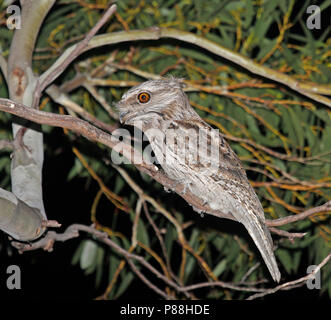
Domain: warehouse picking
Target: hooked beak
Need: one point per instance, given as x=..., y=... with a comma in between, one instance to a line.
x=126, y=116
x=123, y=112
x=123, y=116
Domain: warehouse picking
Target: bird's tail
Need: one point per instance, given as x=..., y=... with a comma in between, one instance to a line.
x=258, y=230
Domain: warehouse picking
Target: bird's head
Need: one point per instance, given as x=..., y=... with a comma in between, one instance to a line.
x=154, y=98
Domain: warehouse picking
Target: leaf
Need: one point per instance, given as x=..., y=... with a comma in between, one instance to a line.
x=142, y=233
x=219, y=243
x=235, y=5
x=297, y=127
x=233, y=252
x=196, y=55
x=291, y=59
x=251, y=122
x=296, y=260
x=119, y=184
x=76, y=257
x=266, y=47
x=76, y=169
x=190, y=260
x=89, y=254
x=221, y=266
x=125, y=283
x=285, y=258
x=169, y=239
x=99, y=265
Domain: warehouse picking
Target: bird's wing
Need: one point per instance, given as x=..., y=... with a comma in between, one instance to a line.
x=207, y=153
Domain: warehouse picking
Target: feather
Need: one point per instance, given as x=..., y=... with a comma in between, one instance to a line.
x=196, y=155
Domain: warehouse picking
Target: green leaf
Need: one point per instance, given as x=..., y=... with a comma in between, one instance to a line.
x=219, y=243
x=119, y=184
x=99, y=265
x=89, y=254
x=169, y=239
x=76, y=257
x=125, y=283
x=285, y=258
x=296, y=260
x=196, y=55
x=221, y=266
x=142, y=233
x=297, y=126
x=76, y=169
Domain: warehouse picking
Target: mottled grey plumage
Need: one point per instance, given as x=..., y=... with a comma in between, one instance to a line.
x=194, y=154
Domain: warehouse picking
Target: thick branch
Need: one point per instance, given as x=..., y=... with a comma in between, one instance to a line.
x=25, y=87
x=18, y=219
x=22, y=218
x=92, y=133
x=309, y=89
x=19, y=62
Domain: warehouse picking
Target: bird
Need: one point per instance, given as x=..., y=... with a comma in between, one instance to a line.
x=194, y=154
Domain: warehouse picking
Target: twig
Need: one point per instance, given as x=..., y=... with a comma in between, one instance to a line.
x=292, y=284
x=284, y=173
x=135, y=222
x=161, y=241
x=290, y=235
x=148, y=282
x=92, y=90
x=249, y=272
x=300, y=216
x=51, y=224
x=221, y=284
x=272, y=152
x=79, y=48
x=305, y=88
x=63, y=99
x=5, y=144
x=165, y=213
x=311, y=90
x=72, y=231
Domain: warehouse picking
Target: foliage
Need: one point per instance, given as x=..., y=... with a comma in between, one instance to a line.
x=283, y=138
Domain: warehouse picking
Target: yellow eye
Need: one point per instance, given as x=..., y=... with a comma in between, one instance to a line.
x=144, y=97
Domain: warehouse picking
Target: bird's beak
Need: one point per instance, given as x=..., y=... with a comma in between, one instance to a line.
x=123, y=116
x=123, y=113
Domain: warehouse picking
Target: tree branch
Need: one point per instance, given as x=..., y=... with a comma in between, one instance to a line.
x=312, y=90
x=22, y=216
x=72, y=231
x=300, y=216
x=292, y=284
x=92, y=133
x=78, y=49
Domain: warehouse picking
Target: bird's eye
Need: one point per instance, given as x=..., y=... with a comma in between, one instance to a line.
x=144, y=97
